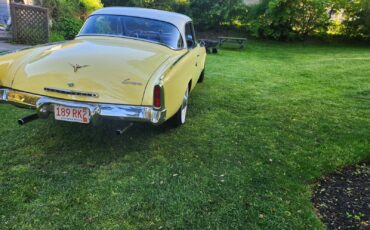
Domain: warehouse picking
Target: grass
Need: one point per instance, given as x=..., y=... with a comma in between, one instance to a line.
x=263, y=127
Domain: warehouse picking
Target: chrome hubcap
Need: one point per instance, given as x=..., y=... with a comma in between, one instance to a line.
x=184, y=106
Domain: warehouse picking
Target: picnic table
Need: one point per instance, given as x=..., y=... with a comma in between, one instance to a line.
x=240, y=41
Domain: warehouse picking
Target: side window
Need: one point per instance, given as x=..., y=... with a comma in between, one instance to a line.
x=190, y=35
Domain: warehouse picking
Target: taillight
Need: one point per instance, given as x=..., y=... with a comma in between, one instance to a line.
x=157, y=100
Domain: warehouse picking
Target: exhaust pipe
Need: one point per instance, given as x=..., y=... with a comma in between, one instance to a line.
x=121, y=131
x=27, y=119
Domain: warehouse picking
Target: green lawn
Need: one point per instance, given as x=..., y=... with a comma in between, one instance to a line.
x=263, y=127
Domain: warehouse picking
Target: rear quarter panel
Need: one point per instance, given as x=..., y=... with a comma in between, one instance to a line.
x=174, y=75
x=176, y=81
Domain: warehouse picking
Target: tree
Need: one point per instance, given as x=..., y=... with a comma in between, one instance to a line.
x=211, y=14
x=89, y=6
x=123, y=2
x=170, y=5
x=207, y=14
x=70, y=8
x=288, y=19
x=357, y=19
x=68, y=15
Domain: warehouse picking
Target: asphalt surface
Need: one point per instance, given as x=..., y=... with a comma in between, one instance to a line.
x=5, y=46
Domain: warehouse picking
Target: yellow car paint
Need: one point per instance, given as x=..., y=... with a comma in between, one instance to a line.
x=119, y=70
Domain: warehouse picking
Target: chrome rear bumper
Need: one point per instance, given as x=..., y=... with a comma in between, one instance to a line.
x=45, y=105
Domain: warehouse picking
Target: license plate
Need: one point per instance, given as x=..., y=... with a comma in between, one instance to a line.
x=64, y=113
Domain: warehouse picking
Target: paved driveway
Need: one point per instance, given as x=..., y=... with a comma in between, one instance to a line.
x=5, y=46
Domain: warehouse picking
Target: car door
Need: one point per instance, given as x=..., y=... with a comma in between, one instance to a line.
x=201, y=54
x=194, y=53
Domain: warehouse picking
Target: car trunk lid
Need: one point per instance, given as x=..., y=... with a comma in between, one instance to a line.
x=106, y=70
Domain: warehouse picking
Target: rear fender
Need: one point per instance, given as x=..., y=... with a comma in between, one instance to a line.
x=10, y=63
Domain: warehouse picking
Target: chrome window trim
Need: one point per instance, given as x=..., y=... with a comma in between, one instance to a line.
x=194, y=36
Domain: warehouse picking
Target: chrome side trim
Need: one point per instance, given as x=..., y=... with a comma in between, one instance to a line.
x=71, y=92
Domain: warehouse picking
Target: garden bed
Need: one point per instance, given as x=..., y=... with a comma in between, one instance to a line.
x=342, y=199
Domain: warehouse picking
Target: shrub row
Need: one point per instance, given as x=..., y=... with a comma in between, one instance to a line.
x=276, y=19
x=68, y=15
x=291, y=19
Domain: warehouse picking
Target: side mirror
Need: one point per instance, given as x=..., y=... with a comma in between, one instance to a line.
x=190, y=43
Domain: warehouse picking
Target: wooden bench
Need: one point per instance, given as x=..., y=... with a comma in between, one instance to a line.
x=240, y=41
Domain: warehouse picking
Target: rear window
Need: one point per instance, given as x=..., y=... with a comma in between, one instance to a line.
x=133, y=27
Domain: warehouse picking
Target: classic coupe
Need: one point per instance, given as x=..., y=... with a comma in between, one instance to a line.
x=131, y=64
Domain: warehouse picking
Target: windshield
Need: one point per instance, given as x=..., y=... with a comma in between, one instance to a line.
x=133, y=27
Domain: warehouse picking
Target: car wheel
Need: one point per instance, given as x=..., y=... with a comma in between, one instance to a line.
x=201, y=78
x=180, y=117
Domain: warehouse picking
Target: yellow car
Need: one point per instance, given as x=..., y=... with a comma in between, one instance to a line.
x=131, y=64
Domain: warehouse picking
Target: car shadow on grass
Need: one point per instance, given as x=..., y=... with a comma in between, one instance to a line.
x=99, y=143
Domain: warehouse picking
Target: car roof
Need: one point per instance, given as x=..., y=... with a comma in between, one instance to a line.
x=178, y=20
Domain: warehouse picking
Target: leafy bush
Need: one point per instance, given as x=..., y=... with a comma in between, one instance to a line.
x=55, y=36
x=70, y=8
x=60, y=8
x=288, y=19
x=211, y=14
x=207, y=14
x=88, y=6
x=276, y=19
x=357, y=19
x=170, y=5
x=91, y=5
x=68, y=27
x=68, y=15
